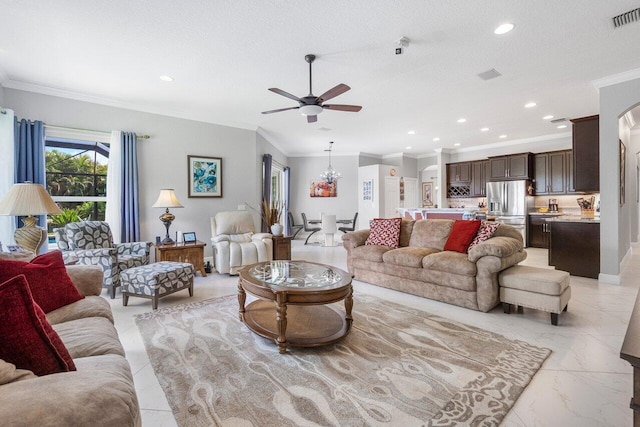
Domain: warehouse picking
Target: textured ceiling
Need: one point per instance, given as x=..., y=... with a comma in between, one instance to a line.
x=225, y=54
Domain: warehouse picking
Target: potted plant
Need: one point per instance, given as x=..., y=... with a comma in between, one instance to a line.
x=271, y=213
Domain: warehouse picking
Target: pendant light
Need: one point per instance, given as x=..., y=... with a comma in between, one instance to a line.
x=330, y=175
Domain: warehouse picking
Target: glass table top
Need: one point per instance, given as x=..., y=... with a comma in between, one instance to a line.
x=296, y=274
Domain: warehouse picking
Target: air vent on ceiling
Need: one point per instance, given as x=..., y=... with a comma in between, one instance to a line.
x=490, y=74
x=626, y=18
x=564, y=119
x=323, y=129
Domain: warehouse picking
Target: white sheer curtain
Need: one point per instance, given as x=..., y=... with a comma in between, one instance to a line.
x=114, y=184
x=7, y=171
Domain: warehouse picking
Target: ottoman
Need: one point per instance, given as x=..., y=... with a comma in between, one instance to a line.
x=157, y=280
x=532, y=287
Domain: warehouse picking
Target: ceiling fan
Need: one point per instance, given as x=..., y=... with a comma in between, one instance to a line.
x=312, y=105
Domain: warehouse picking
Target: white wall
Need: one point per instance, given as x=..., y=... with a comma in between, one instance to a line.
x=306, y=169
x=615, y=100
x=163, y=158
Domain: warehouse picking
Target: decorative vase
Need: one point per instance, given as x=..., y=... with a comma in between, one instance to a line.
x=276, y=229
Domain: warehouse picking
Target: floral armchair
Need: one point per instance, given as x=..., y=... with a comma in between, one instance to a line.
x=91, y=243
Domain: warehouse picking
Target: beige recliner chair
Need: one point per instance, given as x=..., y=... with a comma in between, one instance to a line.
x=235, y=242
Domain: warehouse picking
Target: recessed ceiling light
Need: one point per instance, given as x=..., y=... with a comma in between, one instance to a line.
x=502, y=136
x=547, y=117
x=530, y=105
x=166, y=78
x=462, y=120
x=484, y=130
x=408, y=148
x=412, y=132
x=562, y=126
x=436, y=139
x=457, y=144
x=504, y=28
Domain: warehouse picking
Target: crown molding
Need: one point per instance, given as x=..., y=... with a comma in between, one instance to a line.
x=266, y=135
x=616, y=78
x=95, y=99
x=428, y=155
x=513, y=142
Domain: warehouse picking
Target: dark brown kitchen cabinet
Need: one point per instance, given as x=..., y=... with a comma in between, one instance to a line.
x=586, y=153
x=515, y=166
x=479, y=174
x=459, y=172
x=550, y=173
x=575, y=247
x=571, y=189
x=539, y=230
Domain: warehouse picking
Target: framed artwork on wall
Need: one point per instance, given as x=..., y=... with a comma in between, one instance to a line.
x=323, y=189
x=427, y=194
x=367, y=190
x=205, y=176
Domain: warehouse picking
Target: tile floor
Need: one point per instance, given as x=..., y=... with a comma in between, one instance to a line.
x=583, y=383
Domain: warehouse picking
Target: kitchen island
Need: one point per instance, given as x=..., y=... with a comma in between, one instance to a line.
x=574, y=245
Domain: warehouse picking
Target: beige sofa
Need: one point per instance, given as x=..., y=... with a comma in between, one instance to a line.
x=99, y=393
x=421, y=267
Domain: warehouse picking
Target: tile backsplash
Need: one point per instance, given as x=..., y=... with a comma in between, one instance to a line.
x=566, y=204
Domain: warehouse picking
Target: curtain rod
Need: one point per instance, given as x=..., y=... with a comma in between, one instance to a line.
x=89, y=130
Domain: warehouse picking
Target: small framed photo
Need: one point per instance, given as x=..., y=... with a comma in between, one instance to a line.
x=14, y=248
x=205, y=176
x=367, y=190
x=427, y=194
x=189, y=237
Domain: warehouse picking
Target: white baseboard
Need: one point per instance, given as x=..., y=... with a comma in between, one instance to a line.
x=626, y=258
x=612, y=279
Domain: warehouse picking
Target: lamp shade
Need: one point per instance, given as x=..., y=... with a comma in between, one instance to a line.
x=167, y=199
x=28, y=199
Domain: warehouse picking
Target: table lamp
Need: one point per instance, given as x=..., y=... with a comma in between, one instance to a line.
x=167, y=199
x=29, y=199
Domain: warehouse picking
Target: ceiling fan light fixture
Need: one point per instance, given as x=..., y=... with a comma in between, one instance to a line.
x=310, y=110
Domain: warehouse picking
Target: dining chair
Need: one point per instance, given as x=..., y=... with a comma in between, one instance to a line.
x=313, y=230
x=353, y=225
x=295, y=228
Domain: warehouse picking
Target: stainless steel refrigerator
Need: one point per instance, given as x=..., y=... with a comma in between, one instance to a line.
x=509, y=202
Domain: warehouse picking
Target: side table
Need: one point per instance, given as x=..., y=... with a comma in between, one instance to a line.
x=192, y=253
x=282, y=248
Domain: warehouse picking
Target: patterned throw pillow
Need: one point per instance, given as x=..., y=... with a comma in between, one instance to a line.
x=385, y=232
x=485, y=232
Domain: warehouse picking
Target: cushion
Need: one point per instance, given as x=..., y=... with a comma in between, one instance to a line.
x=462, y=233
x=536, y=280
x=28, y=340
x=371, y=253
x=431, y=233
x=50, y=285
x=452, y=263
x=485, y=232
x=385, y=232
x=408, y=257
x=234, y=222
x=9, y=373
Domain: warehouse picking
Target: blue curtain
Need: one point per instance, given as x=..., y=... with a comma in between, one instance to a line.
x=130, y=231
x=287, y=197
x=29, y=158
x=267, y=161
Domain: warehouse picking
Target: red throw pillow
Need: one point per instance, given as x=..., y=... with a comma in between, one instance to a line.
x=28, y=340
x=486, y=231
x=384, y=232
x=48, y=280
x=462, y=233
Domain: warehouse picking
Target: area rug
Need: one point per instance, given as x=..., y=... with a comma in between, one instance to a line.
x=398, y=367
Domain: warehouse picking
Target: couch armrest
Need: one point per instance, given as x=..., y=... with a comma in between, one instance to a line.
x=94, y=253
x=501, y=247
x=134, y=248
x=87, y=278
x=220, y=238
x=261, y=236
x=353, y=239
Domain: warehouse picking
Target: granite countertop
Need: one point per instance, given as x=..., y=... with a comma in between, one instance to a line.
x=574, y=218
x=546, y=213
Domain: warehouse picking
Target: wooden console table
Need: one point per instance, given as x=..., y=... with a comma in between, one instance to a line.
x=281, y=248
x=192, y=253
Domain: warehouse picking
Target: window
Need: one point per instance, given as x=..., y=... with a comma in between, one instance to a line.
x=76, y=179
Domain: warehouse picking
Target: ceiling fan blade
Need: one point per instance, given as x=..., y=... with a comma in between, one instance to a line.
x=333, y=92
x=312, y=119
x=339, y=107
x=279, y=109
x=283, y=93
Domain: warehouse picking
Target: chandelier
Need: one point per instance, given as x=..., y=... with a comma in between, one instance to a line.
x=330, y=175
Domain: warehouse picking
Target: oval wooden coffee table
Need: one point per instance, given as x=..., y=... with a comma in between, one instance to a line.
x=292, y=302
